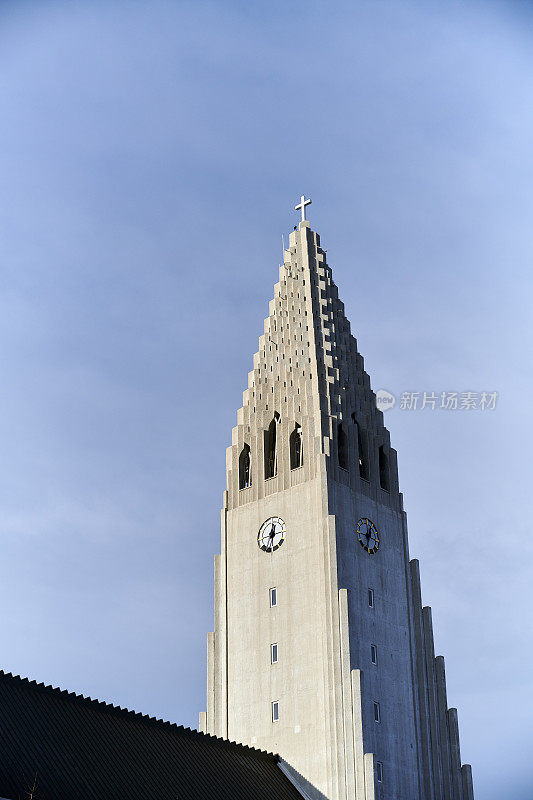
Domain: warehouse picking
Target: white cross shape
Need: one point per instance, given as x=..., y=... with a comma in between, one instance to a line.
x=301, y=205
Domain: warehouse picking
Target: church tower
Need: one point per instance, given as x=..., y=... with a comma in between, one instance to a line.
x=322, y=651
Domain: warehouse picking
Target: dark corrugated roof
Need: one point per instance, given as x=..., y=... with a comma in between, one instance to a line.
x=83, y=749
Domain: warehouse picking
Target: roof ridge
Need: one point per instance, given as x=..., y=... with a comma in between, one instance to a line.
x=86, y=699
x=110, y=707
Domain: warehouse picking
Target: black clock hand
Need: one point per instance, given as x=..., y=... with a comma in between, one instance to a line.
x=271, y=537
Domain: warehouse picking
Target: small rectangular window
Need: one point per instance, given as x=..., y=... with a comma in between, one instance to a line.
x=374, y=653
x=273, y=597
x=273, y=654
x=377, y=712
x=371, y=598
x=275, y=711
x=379, y=771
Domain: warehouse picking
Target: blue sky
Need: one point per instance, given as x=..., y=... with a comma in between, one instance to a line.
x=151, y=155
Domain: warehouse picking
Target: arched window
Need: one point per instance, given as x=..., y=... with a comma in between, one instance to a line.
x=296, y=448
x=245, y=468
x=384, y=481
x=271, y=456
x=364, y=471
x=342, y=447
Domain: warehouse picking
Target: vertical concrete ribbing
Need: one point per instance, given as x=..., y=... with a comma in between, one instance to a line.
x=219, y=686
x=337, y=771
x=332, y=661
x=346, y=694
x=330, y=638
x=357, y=725
x=221, y=624
x=429, y=654
x=369, y=776
x=210, y=713
x=425, y=743
x=455, y=754
x=468, y=786
x=440, y=683
x=413, y=654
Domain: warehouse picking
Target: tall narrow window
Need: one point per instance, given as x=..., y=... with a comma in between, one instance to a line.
x=342, y=447
x=384, y=468
x=275, y=711
x=374, y=653
x=273, y=653
x=273, y=597
x=245, y=468
x=371, y=598
x=271, y=457
x=295, y=447
x=379, y=771
x=377, y=712
x=362, y=450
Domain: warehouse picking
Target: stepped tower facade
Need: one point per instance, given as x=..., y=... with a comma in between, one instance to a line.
x=322, y=651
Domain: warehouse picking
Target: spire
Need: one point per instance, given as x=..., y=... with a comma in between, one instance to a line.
x=309, y=457
x=308, y=376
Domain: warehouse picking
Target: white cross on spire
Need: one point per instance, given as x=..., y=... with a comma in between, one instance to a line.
x=301, y=205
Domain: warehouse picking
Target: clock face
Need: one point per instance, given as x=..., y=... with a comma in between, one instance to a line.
x=271, y=534
x=368, y=535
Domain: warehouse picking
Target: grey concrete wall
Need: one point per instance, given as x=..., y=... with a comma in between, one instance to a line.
x=389, y=682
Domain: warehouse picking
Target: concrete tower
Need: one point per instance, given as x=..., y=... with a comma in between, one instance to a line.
x=322, y=651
